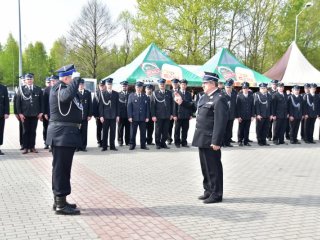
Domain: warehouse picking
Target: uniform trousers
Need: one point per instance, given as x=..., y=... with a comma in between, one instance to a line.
x=2, y=123
x=262, y=128
x=212, y=172
x=170, y=130
x=181, y=128
x=133, y=133
x=123, y=127
x=228, y=132
x=270, y=129
x=84, y=133
x=309, y=129
x=279, y=129
x=302, y=132
x=161, y=134
x=99, y=131
x=61, y=170
x=45, y=123
x=294, y=128
x=29, y=132
x=109, y=125
x=243, y=131
x=150, y=129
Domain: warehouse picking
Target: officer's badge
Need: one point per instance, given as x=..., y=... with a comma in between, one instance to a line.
x=135, y=100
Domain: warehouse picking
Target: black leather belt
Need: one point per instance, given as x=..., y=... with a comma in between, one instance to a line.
x=66, y=124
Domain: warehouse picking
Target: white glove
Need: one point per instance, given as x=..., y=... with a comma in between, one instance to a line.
x=75, y=75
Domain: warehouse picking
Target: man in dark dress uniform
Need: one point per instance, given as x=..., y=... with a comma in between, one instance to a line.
x=288, y=92
x=22, y=82
x=138, y=115
x=244, y=113
x=272, y=91
x=64, y=136
x=306, y=91
x=86, y=101
x=29, y=108
x=295, y=107
x=109, y=115
x=150, y=123
x=263, y=111
x=161, y=112
x=182, y=116
x=231, y=97
x=175, y=88
x=280, y=114
x=212, y=117
x=123, y=124
x=4, y=111
x=95, y=110
x=311, y=103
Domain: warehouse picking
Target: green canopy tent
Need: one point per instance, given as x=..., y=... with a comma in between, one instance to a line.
x=151, y=65
x=227, y=66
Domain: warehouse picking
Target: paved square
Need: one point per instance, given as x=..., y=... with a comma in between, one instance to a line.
x=269, y=193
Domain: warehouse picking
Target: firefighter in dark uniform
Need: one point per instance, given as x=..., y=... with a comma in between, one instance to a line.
x=212, y=117
x=21, y=79
x=288, y=92
x=161, y=112
x=182, y=116
x=29, y=108
x=138, y=115
x=95, y=110
x=45, y=105
x=244, y=113
x=4, y=111
x=280, y=114
x=311, y=103
x=273, y=90
x=295, y=107
x=86, y=101
x=175, y=88
x=263, y=111
x=109, y=115
x=123, y=124
x=306, y=91
x=150, y=123
x=64, y=135
x=231, y=97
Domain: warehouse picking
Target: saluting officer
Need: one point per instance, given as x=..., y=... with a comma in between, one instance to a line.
x=182, y=116
x=280, y=114
x=64, y=135
x=244, y=113
x=306, y=91
x=150, y=123
x=123, y=124
x=175, y=88
x=29, y=108
x=109, y=115
x=231, y=97
x=212, y=117
x=263, y=111
x=161, y=112
x=138, y=115
x=85, y=99
x=311, y=112
x=295, y=105
x=95, y=110
x=4, y=111
x=272, y=91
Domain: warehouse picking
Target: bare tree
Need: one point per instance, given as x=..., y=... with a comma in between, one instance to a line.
x=89, y=34
x=125, y=19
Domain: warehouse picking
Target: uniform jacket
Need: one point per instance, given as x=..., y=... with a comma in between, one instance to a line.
x=211, y=120
x=231, y=100
x=311, y=105
x=179, y=110
x=64, y=135
x=295, y=106
x=123, y=104
x=280, y=105
x=4, y=101
x=30, y=105
x=109, y=105
x=138, y=107
x=86, y=102
x=45, y=101
x=245, y=106
x=95, y=104
x=263, y=104
x=161, y=104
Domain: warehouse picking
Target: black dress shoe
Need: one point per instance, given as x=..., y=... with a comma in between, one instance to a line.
x=150, y=143
x=250, y=141
x=62, y=208
x=260, y=144
x=313, y=142
x=165, y=147
x=72, y=205
x=145, y=148
x=131, y=147
x=232, y=141
x=113, y=149
x=46, y=147
x=266, y=144
x=77, y=150
x=247, y=144
x=21, y=147
x=1, y=153
x=212, y=199
x=158, y=147
x=240, y=144
x=276, y=143
x=104, y=149
x=228, y=145
x=185, y=145
x=177, y=145
x=204, y=196
x=297, y=142
x=84, y=150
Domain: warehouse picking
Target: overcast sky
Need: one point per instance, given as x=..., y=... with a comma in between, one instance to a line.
x=47, y=20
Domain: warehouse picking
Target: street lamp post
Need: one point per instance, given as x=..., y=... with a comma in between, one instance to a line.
x=309, y=4
x=20, y=43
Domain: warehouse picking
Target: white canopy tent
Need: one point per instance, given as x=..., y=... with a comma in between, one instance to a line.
x=294, y=69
